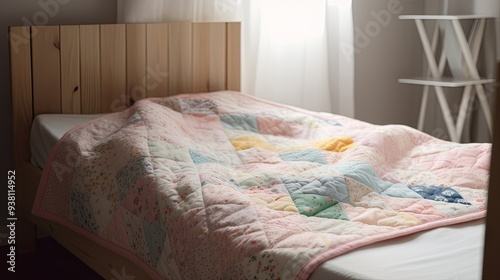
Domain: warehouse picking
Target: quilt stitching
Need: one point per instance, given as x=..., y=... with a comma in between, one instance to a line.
x=264, y=192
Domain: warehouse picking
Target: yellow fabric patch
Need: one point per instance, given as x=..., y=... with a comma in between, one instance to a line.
x=399, y=220
x=244, y=143
x=409, y=219
x=386, y=218
x=278, y=202
x=341, y=144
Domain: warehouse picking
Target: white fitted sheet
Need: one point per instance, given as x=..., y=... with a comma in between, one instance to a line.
x=47, y=129
x=452, y=252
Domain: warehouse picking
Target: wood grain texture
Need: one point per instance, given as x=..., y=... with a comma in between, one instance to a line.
x=209, y=57
x=201, y=57
x=70, y=69
x=46, y=70
x=22, y=106
x=233, y=56
x=22, y=113
x=136, y=62
x=105, y=68
x=156, y=81
x=180, y=72
x=90, y=69
x=217, y=56
x=113, y=68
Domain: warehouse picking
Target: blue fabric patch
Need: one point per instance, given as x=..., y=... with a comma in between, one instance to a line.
x=439, y=194
x=130, y=174
x=311, y=155
x=364, y=173
x=199, y=158
x=82, y=211
x=134, y=118
x=240, y=122
x=155, y=237
x=400, y=190
x=330, y=122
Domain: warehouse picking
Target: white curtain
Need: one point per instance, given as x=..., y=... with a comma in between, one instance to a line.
x=290, y=48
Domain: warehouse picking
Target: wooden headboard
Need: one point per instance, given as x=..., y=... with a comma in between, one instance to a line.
x=84, y=69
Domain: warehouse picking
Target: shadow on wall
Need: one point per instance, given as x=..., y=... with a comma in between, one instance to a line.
x=386, y=49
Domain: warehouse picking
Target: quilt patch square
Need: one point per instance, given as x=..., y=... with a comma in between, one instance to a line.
x=439, y=194
x=311, y=155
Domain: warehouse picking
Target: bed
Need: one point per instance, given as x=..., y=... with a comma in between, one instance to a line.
x=92, y=69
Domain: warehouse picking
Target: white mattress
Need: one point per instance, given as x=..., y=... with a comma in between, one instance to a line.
x=453, y=252
x=47, y=129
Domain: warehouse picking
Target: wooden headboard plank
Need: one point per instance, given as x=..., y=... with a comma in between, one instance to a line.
x=156, y=80
x=46, y=70
x=113, y=68
x=22, y=100
x=201, y=56
x=70, y=69
x=90, y=69
x=105, y=68
x=217, y=66
x=233, y=56
x=136, y=61
x=209, y=56
x=22, y=114
x=180, y=70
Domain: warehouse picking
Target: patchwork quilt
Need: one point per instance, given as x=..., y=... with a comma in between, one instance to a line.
x=228, y=186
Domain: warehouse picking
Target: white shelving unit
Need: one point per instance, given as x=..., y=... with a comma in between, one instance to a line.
x=461, y=53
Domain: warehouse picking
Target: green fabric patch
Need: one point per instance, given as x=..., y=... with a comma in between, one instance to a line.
x=319, y=206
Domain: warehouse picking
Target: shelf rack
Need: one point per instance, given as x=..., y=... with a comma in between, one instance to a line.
x=468, y=76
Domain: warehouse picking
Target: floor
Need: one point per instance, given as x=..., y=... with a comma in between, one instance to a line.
x=49, y=261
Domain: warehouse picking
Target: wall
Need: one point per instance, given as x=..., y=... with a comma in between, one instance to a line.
x=387, y=49
x=42, y=12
